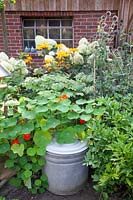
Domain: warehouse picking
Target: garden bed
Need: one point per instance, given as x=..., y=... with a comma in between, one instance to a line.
x=14, y=193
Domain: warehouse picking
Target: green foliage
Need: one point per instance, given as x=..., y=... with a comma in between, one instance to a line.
x=2, y=4
x=51, y=105
x=110, y=151
x=2, y=198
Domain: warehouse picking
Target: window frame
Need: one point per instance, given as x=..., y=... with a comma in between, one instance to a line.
x=48, y=27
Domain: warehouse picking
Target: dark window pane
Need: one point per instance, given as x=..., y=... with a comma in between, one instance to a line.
x=42, y=32
x=29, y=34
x=28, y=23
x=26, y=44
x=54, y=33
x=29, y=44
x=58, y=41
x=32, y=43
x=67, y=33
x=54, y=22
x=68, y=43
x=66, y=22
x=41, y=22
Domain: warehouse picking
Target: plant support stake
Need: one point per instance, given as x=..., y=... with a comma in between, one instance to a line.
x=94, y=77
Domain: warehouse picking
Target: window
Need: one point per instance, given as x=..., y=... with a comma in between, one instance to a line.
x=60, y=30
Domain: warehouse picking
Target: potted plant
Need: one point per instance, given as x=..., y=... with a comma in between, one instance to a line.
x=32, y=119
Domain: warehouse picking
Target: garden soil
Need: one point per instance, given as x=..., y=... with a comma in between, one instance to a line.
x=88, y=193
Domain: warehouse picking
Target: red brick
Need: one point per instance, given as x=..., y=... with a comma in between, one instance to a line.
x=85, y=24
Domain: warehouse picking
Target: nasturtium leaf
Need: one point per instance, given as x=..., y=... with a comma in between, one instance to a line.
x=28, y=166
x=81, y=101
x=27, y=173
x=42, y=122
x=67, y=135
x=42, y=138
x=22, y=160
x=33, y=190
x=41, y=109
x=31, y=151
x=51, y=123
x=85, y=117
x=89, y=109
x=9, y=163
x=36, y=167
x=42, y=101
x=73, y=115
x=79, y=128
x=28, y=114
x=41, y=151
x=44, y=178
x=27, y=183
x=41, y=162
x=98, y=111
x=38, y=182
x=76, y=108
x=16, y=182
x=63, y=108
x=12, y=155
x=18, y=148
x=41, y=190
x=5, y=147
x=27, y=128
x=33, y=159
x=10, y=122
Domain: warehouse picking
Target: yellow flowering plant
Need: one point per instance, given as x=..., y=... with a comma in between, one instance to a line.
x=58, y=56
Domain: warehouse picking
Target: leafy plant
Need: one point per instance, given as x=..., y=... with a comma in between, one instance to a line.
x=110, y=150
x=63, y=104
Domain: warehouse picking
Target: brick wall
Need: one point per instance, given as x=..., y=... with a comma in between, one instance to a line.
x=85, y=25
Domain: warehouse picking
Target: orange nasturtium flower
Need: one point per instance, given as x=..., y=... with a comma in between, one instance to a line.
x=64, y=96
x=16, y=141
x=26, y=136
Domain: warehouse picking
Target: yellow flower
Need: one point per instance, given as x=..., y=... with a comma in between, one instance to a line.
x=44, y=45
x=73, y=49
x=59, y=45
x=48, y=60
x=28, y=59
x=62, y=54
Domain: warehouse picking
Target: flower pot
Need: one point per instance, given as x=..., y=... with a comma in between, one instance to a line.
x=64, y=167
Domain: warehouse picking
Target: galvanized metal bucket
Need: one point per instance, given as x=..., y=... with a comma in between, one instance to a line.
x=64, y=167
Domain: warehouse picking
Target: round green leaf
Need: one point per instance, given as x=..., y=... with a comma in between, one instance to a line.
x=9, y=163
x=38, y=182
x=41, y=151
x=85, y=117
x=42, y=138
x=31, y=151
x=4, y=148
x=41, y=162
x=44, y=178
x=27, y=173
